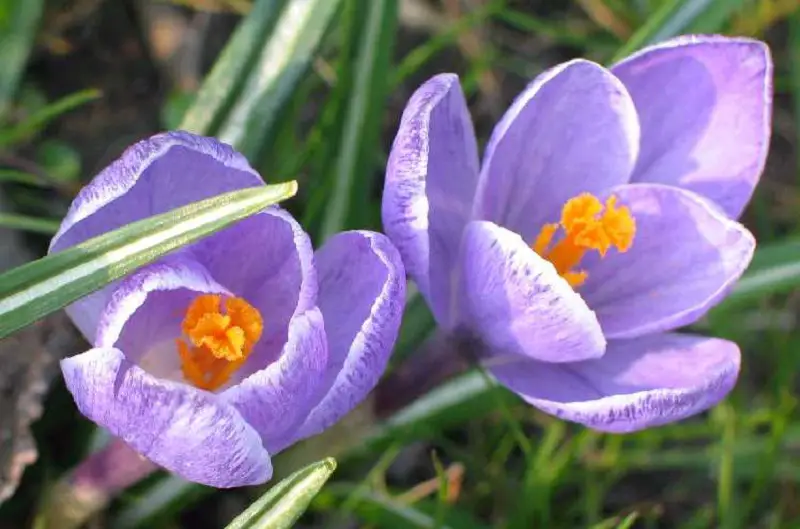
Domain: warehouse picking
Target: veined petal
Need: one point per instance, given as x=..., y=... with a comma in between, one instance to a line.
x=153, y=176
x=362, y=293
x=639, y=383
x=430, y=185
x=705, y=107
x=187, y=431
x=276, y=399
x=572, y=130
x=268, y=260
x=684, y=259
x=516, y=302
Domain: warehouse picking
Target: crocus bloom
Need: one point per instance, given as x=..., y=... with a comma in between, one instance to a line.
x=600, y=220
x=225, y=352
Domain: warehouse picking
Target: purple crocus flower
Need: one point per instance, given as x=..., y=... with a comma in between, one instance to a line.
x=218, y=356
x=599, y=221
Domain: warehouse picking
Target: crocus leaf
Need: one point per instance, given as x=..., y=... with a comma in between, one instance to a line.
x=285, y=502
x=775, y=268
x=18, y=22
x=41, y=118
x=674, y=17
x=230, y=69
x=38, y=288
x=460, y=399
x=274, y=76
x=26, y=223
x=361, y=126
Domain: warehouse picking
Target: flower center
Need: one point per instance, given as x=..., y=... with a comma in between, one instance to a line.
x=587, y=225
x=218, y=344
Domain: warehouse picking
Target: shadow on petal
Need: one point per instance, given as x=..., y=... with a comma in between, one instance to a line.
x=705, y=108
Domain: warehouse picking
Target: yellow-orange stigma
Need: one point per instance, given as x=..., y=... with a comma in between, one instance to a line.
x=587, y=225
x=218, y=344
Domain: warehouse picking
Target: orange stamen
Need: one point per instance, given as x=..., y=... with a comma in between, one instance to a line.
x=218, y=343
x=588, y=225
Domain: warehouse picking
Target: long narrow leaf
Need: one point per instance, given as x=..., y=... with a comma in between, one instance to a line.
x=230, y=69
x=775, y=269
x=34, y=290
x=40, y=119
x=26, y=223
x=18, y=22
x=361, y=127
x=285, y=502
x=282, y=61
x=672, y=18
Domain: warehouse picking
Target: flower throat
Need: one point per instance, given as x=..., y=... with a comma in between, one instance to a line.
x=587, y=224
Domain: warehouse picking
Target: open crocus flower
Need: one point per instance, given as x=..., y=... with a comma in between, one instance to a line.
x=599, y=221
x=223, y=353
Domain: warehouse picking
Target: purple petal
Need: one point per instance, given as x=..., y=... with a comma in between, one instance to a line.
x=145, y=310
x=277, y=399
x=268, y=260
x=705, y=105
x=187, y=431
x=153, y=176
x=429, y=189
x=685, y=257
x=362, y=293
x=639, y=383
x=573, y=130
x=516, y=302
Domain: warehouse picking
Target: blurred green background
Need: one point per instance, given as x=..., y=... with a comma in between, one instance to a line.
x=313, y=90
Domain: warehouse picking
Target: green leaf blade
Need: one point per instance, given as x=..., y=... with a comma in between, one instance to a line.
x=285, y=502
x=230, y=69
x=281, y=63
x=32, y=291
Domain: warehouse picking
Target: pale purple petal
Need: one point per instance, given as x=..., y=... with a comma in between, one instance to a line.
x=516, y=302
x=362, y=293
x=639, y=383
x=430, y=184
x=145, y=310
x=685, y=257
x=705, y=106
x=276, y=399
x=187, y=431
x=574, y=129
x=268, y=260
x=153, y=176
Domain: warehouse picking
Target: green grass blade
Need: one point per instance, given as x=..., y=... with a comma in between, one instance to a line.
x=285, y=502
x=672, y=18
x=37, y=121
x=230, y=70
x=158, y=503
x=775, y=269
x=283, y=60
x=36, y=289
x=26, y=223
x=456, y=401
x=18, y=22
x=361, y=131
